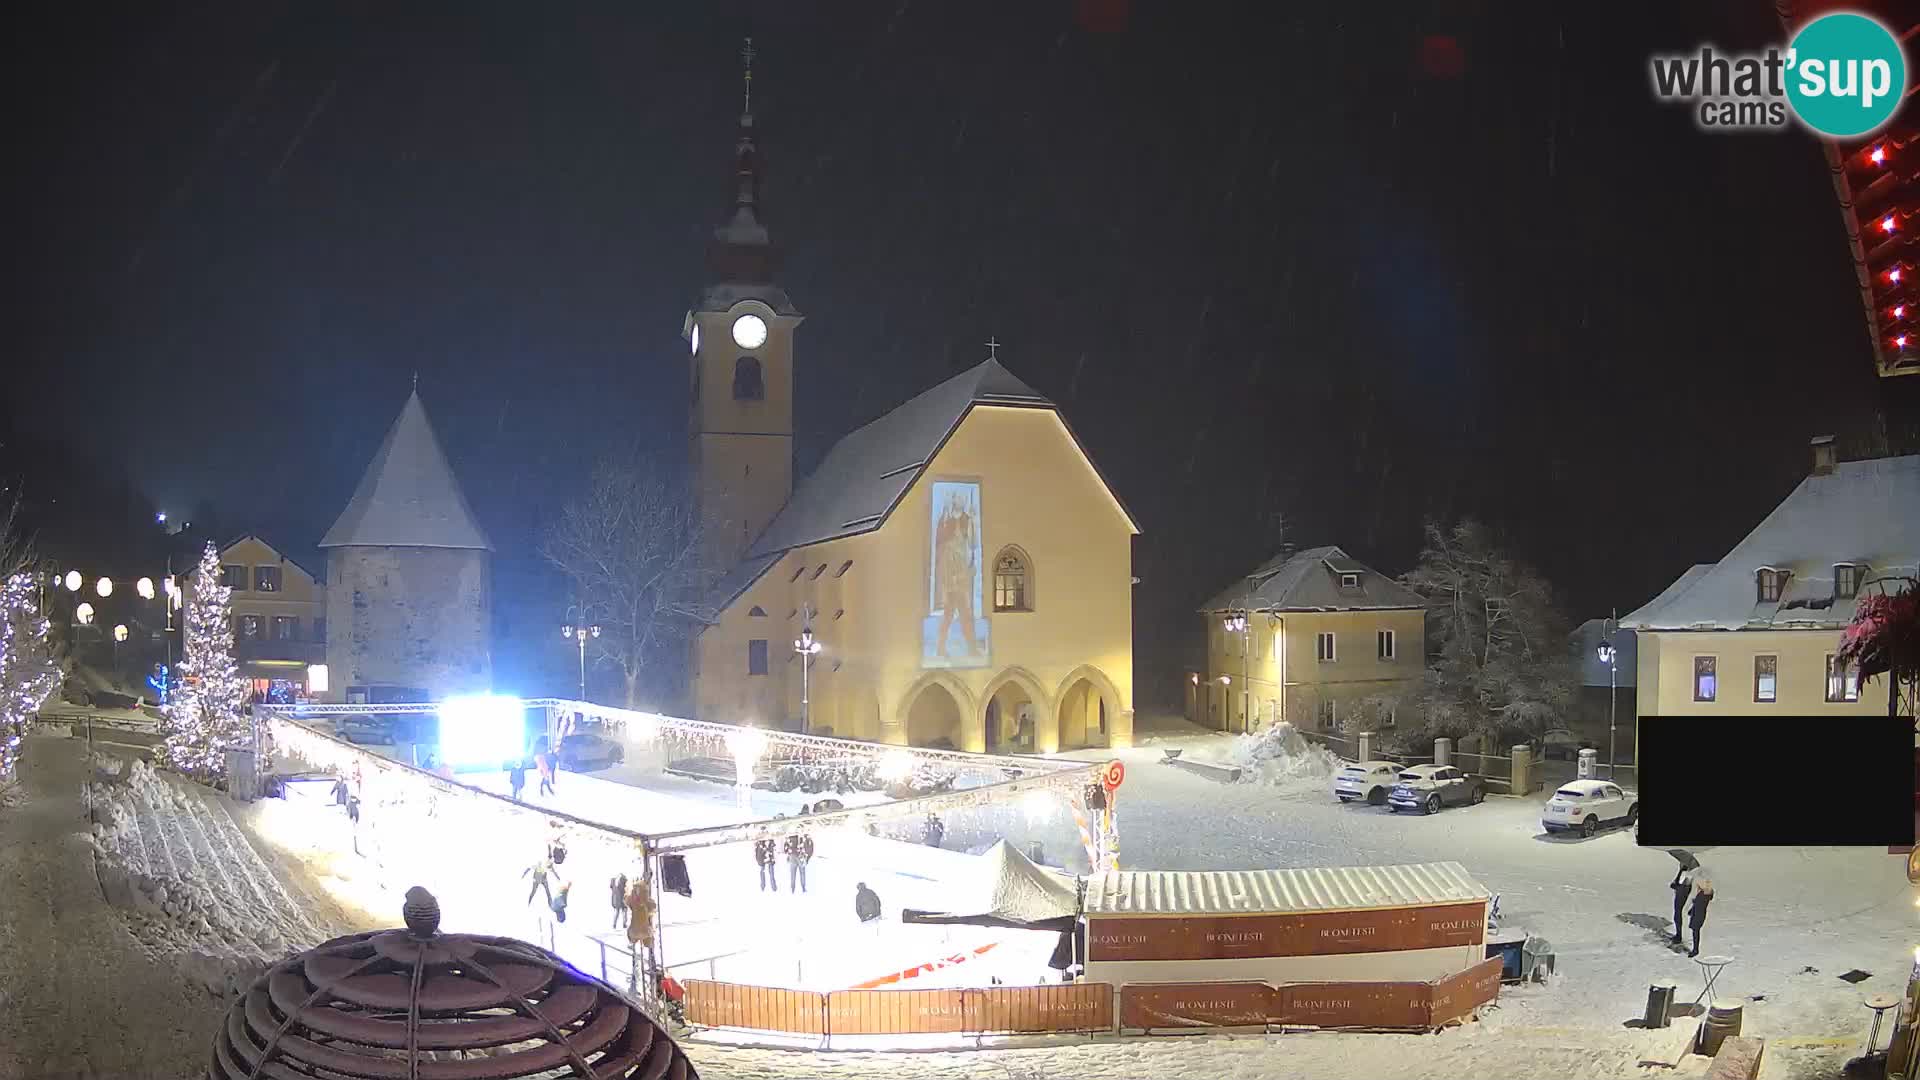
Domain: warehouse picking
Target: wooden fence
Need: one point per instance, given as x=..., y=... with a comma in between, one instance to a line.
x=1090, y=1007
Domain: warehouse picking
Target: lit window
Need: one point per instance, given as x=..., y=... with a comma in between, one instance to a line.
x=1766, y=678
x=1384, y=641
x=1772, y=583
x=249, y=627
x=1010, y=583
x=1706, y=685
x=286, y=628
x=1323, y=647
x=1846, y=581
x=757, y=656
x=266, y=579
x=234, y=577
x=747, y=383
x=1843, y=681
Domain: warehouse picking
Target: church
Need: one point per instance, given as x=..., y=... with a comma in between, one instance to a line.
x=956, y=573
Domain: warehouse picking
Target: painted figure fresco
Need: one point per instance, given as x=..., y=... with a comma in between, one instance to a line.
x=956, y=629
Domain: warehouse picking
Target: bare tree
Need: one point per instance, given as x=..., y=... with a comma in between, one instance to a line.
x=633, y=549
x=1503, y=665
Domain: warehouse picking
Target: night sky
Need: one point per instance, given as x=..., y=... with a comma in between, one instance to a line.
x=1349, y=267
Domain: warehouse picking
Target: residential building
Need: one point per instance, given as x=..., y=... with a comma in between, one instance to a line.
x=962, y=565
x=279, y=610
x=1316, y=638
x=1757, y=631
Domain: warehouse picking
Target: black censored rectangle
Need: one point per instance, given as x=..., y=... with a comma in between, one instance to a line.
x=1790, y=781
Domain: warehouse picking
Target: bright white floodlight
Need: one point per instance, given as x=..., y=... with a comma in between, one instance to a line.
x=482, y=731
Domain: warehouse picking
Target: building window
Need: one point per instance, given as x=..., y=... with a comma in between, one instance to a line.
x=286, y=628
x=1843, y=681
x=1012, y=582
x=1766, y=678
x=757, y=656
x=248, y=627
x=747, y=384
x=1384, y=641
x=1772, y=583
x=1327, y=714
x=756, y=612
x=266, y=579
x=1349, y=581
x=1706, y=685
x=817, y=571
x=320, y=630
x=797, y=571
x=1323, y=649
x=1393, y=714
x=844, y=567
x=1846, y=581
x=234, y=577
x=837, y=612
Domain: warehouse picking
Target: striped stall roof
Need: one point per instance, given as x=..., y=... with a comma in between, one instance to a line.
x=1248, y=892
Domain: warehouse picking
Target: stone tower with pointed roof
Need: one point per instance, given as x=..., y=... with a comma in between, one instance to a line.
x=409, y=577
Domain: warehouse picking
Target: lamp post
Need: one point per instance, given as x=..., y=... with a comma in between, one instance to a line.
x=1237, y=624
x=807, y=648
x=1611, y=657
x=580, y=634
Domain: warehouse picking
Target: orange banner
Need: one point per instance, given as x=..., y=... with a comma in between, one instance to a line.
x=895, y=1012
x=1196, y=1005
x=1458, y=995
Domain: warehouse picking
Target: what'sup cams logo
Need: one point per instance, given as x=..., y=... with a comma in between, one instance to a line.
x=1843, y=75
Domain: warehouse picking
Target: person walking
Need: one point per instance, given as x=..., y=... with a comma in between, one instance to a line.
x=866, y=903
x=1682, y=887
x=517, y=778
x=543, y=761
x=619, y=888
x=799, y=847
x=1697, y=914
x=936, y=830
x=763, y=857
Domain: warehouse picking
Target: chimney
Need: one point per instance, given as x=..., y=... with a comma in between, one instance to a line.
x=1824, y=457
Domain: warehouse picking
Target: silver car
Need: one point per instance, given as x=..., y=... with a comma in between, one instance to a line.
x=1427, y=788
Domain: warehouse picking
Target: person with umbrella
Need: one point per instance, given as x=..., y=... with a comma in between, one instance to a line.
x=1682, y=886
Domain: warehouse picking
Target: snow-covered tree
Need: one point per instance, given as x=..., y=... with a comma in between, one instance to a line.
x=208, y=711
x=1502, y=665
x=28, y=675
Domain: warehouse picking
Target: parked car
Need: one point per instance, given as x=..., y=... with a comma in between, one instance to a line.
x=585, y=750
x=1586, y=805
x=1368, y=780
x=1427, y=788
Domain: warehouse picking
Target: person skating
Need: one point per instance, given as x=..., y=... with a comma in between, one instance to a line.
x=1682, y=887
x=799, y=848
x=517, y=778
x=763, y=857
x=1697, y=914
x=619, y=888
x=866, y=903
x=559, y=903
x=936, y=830
x=539, y=871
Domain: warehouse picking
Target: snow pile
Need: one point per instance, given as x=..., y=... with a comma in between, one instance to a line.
x=190, y=885
x=1278, y=754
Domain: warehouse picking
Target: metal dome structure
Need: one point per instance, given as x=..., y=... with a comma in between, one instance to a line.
x=416, y=1004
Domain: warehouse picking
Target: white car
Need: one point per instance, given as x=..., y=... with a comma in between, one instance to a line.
x=1586, y=805
x=1368, y=781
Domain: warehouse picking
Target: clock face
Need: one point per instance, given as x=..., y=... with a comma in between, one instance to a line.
x=694, y=340
x=749, y=332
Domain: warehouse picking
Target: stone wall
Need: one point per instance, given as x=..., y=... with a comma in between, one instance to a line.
x=409, y=617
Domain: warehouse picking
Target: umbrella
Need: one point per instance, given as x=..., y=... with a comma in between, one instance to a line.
x=1684, y=858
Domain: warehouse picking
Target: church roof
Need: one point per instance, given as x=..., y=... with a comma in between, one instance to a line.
x=1309, y=580
x=869, y=470
x=408, y=497
x=1863, y=513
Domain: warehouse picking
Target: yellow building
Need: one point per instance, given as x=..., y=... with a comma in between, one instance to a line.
x=1757, y=631
x=279, y=617
x=1316, y=638
x=964, y=569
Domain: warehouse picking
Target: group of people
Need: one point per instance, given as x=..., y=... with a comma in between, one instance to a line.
x=543, y=762
x=798, y=847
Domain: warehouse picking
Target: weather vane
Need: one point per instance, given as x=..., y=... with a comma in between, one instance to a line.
x=416, y=382
x=746, y=60
x=993, y=347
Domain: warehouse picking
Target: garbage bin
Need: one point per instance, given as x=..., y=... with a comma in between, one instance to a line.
x=1660, y=1004
x=1589, y=760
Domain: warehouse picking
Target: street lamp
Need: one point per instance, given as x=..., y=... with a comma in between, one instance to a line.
x=1611, y=657
x=144, y=587
x=808, y=649
x=580, y=634
x=74, y=581
x=104, y=587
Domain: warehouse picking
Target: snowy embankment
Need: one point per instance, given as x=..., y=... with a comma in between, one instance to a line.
x=1276, y=755
x=171, y=857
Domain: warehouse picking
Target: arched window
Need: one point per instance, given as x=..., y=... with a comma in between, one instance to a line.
x=747, y=384
x=1012, y=581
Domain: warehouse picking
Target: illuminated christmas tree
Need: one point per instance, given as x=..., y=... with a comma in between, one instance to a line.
x=208, y=713
x=28, y=675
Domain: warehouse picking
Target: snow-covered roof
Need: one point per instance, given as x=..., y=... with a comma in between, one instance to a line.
x=408, y=496
x=1866, y=513
x=1309, y=580
x=1247, y=892
x=865, y=474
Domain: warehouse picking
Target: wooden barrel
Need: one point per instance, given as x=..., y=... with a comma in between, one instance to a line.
x=1723, y=1020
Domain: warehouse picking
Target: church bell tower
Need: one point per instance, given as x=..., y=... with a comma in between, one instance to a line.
x=740, y=337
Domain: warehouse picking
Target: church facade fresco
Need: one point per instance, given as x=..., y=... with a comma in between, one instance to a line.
x=957, y=632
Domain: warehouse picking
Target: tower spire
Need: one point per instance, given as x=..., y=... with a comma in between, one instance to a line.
x=746, y=65
x=742, y=251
